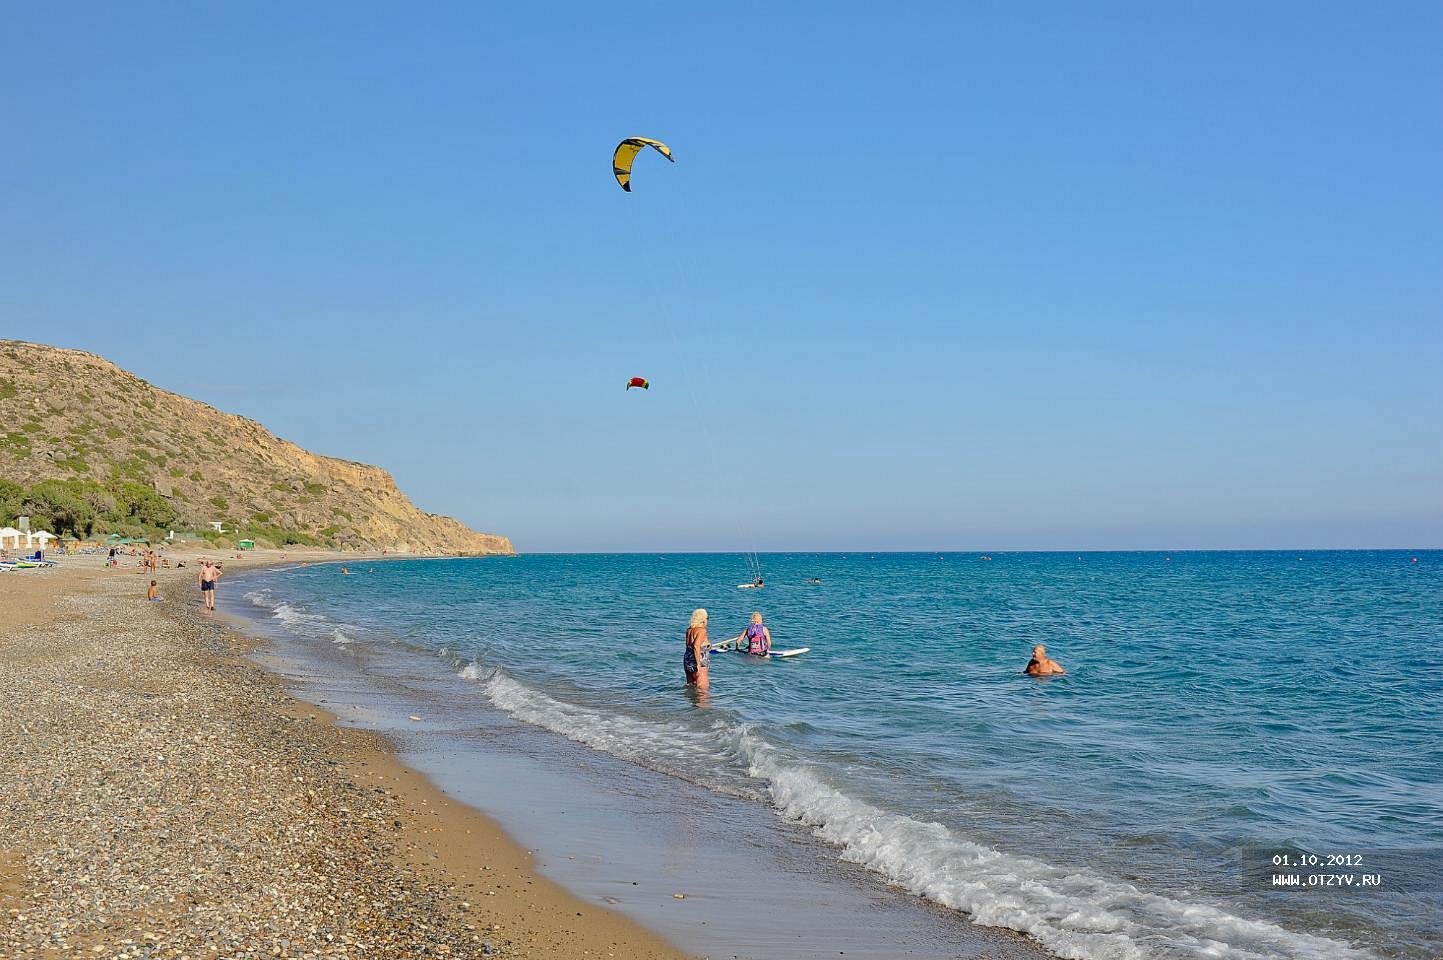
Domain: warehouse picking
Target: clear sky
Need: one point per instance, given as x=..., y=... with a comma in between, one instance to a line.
x=924, y=275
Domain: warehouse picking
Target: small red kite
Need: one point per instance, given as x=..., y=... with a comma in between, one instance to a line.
x=641, y=382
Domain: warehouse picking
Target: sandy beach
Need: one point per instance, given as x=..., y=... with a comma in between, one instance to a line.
x=166, y=797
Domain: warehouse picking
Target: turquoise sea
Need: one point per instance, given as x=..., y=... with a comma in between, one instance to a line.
x=1218, y=708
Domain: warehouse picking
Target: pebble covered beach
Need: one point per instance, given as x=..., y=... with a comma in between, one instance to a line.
x=165, y=797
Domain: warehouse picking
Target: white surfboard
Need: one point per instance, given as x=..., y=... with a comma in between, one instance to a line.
x=730, y=645
x=750, y=586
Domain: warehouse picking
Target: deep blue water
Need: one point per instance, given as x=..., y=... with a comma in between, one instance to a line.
x=1212, y=699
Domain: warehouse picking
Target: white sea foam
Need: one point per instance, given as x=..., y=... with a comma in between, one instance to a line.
x=687, y=752
x=297, y=619
x=1072, y=913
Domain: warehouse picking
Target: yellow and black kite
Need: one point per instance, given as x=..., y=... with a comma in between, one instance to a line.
x=625, y=156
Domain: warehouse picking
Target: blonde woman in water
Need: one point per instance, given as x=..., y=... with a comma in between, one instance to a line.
x=697, y=656
x=756, y=639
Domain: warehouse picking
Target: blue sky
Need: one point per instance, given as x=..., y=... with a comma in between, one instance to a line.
x=951, y=275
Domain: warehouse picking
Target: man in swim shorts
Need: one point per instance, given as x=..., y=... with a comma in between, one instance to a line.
x=208, y=575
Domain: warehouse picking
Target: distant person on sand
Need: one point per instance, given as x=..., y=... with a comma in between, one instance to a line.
x=697, y=656
x=152, y=592
x=756, y=639
x=1041, y=665
x=207, y=577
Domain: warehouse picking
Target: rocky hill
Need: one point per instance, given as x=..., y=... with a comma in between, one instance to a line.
x=128, y=454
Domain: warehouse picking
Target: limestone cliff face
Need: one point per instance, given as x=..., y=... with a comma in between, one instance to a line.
x=67, y=415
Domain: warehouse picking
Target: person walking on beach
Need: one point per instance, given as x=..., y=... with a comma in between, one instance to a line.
x=1041, y=665
x=697, y=657
x=756, y=639
x=207, y=577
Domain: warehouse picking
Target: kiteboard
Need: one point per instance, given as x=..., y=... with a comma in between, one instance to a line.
x=726, y=645
x=749, y=586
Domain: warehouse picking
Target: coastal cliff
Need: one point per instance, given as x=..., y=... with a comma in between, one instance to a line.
x=101, y=449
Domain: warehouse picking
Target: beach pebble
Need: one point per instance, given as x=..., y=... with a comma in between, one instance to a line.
x=167, y=807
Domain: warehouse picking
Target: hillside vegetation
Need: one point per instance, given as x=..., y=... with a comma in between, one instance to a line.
x=89, y=449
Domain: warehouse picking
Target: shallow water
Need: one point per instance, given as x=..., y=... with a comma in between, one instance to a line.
x=1212, y=700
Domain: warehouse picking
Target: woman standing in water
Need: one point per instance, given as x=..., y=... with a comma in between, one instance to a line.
x=697, y=656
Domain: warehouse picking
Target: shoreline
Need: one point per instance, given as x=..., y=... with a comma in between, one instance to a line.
x=614, y=832
x=174, y=797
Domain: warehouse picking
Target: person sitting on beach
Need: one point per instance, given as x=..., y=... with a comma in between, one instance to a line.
x=152, y=592
x=756, y=639
x=1041, y=665
x=696, y=658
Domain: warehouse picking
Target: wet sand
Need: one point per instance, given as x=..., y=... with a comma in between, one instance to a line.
x=166, y=797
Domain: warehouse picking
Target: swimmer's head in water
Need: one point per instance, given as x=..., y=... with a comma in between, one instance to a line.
x=698, y=617
x=757, y=617
x=1039, y=651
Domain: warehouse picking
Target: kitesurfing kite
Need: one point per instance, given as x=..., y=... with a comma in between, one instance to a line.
x=625, y=156
x=641, y=382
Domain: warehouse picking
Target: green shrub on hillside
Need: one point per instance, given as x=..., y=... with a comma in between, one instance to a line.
x=84, y=508
x=279, y=536
x=10, y=494
x=52, y=505
x=17, y=443
x=131, y=468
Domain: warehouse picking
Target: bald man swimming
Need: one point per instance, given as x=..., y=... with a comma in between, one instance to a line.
x=1041, y=665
